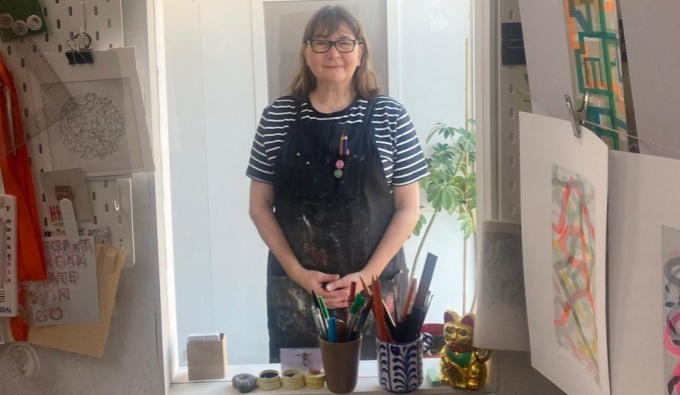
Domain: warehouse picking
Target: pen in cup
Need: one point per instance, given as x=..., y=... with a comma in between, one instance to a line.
x=323, y=312
x=352, y=291
x=332, y=330
x=324, y=309
x=319, y=322
x=353, y=316
x=363, y=315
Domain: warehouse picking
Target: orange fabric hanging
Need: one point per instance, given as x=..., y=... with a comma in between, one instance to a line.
x=18, y=182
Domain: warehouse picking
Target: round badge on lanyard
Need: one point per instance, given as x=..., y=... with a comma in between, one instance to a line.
x=339, y=165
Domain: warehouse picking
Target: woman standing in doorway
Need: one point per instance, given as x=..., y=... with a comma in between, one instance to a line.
x=334, y=192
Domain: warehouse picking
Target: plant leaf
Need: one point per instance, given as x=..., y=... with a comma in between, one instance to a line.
x=419, y=225
x=451, y=185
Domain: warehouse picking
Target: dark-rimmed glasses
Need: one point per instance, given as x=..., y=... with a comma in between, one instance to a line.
x=323, y=46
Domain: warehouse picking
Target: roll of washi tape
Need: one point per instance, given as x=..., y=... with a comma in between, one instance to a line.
x=269, y=380
x=315, y=379
x=292, y=379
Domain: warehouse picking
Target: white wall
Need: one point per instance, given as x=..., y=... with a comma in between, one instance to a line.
x=212, y=119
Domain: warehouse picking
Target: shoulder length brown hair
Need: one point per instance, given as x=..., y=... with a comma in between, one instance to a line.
x=324, y=22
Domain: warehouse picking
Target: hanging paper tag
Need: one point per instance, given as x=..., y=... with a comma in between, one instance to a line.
x=70, y=223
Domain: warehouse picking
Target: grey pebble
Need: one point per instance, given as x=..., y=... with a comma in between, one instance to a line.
x=244, y=382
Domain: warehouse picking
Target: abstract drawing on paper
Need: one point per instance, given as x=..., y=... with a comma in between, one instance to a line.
x=670, y=244
x=573, y=244
x=564, y=189
x=595, y=56
x=103, y=128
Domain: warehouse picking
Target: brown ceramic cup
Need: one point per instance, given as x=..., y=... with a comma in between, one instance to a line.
x=341, y=364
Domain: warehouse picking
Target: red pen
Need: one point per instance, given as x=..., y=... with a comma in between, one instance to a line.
x=352, y=291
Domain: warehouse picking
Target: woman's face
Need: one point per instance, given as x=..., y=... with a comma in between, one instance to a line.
x=334, y=67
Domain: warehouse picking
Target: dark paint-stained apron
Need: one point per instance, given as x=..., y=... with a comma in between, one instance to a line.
x=332, y=224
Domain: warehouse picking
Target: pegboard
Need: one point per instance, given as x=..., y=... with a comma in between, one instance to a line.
x=510, y=103
x=102, y=21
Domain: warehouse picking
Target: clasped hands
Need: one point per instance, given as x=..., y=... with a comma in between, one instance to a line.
x=332, y=288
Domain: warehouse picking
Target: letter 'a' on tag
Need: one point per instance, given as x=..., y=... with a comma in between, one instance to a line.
x=70, y=223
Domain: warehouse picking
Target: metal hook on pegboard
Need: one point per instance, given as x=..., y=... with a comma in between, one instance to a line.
x=80, y=52
x=117, y=200
x=119, y=219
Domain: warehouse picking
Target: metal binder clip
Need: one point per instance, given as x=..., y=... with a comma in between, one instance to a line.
x=579, y=115
x=80, y=52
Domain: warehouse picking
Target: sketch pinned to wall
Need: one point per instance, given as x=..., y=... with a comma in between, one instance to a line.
x=103, y=128
x=573, y=244
x=564, y=215
x=88, y=338
x=595, y=57
x=93, y=127
x=70, y=293
x=644, y=287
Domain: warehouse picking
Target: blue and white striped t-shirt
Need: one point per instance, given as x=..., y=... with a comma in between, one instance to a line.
x=400, y=151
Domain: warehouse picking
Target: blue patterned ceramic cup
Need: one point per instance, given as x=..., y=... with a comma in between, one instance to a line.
x=400, y=365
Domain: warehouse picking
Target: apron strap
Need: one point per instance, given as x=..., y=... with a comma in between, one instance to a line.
x=369, y=111
x=298, y=108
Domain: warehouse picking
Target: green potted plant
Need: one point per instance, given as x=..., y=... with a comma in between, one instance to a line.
x=451, y=185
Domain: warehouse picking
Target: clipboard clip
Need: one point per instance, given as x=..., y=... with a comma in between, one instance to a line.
x=577, y=116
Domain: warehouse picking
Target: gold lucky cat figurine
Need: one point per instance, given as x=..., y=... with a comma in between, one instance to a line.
x=462, y=365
